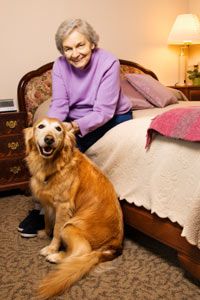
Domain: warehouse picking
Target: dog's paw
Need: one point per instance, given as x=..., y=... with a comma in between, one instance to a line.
x=47, y=251
x=54, y=258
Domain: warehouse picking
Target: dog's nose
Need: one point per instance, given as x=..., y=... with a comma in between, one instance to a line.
x=49, y=140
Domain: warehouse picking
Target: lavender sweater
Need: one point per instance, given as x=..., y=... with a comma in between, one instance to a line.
x=91, y=96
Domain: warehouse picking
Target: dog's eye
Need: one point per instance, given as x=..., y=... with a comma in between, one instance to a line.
x=58, y=128
x=41, y=126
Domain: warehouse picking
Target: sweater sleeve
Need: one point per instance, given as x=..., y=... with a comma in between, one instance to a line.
x=105, y=103
x=59, y=107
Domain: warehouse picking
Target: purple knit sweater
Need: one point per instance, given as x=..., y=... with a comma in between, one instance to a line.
x=91, y=96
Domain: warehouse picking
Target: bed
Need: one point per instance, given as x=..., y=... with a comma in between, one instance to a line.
x=158, y=187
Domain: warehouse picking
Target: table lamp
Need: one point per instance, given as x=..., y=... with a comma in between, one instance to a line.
x=185, y=31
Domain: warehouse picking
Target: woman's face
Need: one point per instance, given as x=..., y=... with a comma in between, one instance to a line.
x=77, y=49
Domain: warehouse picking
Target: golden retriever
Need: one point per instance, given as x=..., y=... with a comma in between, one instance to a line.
x=80, y=203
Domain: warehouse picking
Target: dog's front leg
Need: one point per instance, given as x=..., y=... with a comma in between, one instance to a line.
x=49, y=218
x=62, y=217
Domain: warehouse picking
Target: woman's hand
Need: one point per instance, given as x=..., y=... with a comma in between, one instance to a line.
x=75, y=127
x=68, y=125
x=72, y=126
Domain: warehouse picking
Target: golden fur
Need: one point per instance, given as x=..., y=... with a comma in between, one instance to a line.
x=81, y=206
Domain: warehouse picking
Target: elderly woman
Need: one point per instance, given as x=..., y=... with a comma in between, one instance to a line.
x=86, y=93
x=86, y=84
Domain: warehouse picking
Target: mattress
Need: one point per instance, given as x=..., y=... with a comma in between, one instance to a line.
x=163, y=179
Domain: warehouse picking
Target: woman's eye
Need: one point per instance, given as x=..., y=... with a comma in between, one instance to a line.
x=67, y=50
x=58, y=128
x=41, y=126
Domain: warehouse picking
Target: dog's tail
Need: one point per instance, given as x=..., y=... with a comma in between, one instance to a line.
x=71, y=270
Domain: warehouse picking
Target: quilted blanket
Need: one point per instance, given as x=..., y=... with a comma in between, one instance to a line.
x=179, y=123
x=164, y=179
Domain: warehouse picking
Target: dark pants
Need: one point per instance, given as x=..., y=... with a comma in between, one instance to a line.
x=83, y=143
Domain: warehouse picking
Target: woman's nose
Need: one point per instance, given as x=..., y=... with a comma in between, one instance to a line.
x=75, y=53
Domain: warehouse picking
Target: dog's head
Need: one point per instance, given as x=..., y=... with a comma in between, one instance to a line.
x=48, y=136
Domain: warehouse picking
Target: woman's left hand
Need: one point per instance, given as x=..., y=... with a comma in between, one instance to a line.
x=72, y=126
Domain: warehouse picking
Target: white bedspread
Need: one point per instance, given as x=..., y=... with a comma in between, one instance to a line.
x=164, y=179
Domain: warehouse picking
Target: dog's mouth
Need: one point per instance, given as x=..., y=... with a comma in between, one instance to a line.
x=46, y=151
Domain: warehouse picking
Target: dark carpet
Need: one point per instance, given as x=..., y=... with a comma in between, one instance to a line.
x=146, y=270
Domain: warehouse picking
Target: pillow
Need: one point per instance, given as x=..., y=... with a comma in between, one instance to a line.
x=42, y=110
x=137, y=100
x=178, y=94
x=156, y=93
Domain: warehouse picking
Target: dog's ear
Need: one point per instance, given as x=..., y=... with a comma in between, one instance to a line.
x=28, y=137
x=70, y=139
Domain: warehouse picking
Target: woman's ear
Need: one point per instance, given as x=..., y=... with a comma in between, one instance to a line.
x=28, y=137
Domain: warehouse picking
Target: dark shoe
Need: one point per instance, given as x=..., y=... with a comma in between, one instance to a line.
x=32, y=228
x=29, y=219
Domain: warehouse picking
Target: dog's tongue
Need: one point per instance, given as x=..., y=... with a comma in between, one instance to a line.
x=47, y=149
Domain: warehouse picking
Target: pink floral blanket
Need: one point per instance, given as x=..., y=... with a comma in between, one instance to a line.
x=179, y=123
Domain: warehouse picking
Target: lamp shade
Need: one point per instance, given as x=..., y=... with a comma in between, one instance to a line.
x=185, y=30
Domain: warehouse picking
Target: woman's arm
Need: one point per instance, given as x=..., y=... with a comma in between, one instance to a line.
x=106, y=102
x=59, y=107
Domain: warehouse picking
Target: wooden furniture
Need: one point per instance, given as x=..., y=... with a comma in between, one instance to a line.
x=161, y=229
x=13, y=171
x=168, y=233
x=190, y=91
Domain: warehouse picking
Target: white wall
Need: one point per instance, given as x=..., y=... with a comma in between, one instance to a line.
x=131, y=29
x=194, y=51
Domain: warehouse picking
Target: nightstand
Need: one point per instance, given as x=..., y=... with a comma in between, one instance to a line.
x=13, y=170
x=190, y=91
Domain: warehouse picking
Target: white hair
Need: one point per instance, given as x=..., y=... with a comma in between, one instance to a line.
x=81, y=26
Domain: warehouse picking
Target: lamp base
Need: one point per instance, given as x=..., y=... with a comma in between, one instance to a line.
x=182, y=66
